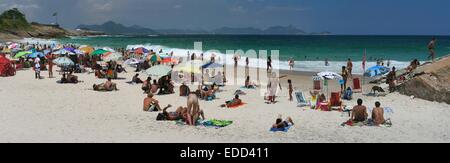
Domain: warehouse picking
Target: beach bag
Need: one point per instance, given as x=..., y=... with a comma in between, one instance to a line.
x=160, y=117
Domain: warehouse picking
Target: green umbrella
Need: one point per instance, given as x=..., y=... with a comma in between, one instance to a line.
x=22, y=54
x=158, y=71
x=99, y=52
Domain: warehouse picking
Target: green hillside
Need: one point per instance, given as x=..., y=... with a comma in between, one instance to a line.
x=13, y=20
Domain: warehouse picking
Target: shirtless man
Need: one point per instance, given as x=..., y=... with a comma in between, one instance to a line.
x=431, y=47
x=234, y=102
x=350, y=68
x=359, y=112
x=378, y=114
x=150, y=102
x=110, y=86
x=193, y=109
x=180, y=113
x=279, y=123
x=154, y=87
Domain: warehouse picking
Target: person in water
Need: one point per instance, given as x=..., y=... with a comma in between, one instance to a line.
x=279, y=123
x=359, y=112
x=350, y=67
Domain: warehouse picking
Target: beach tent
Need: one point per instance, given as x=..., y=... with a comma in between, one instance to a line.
x=6, y=68
x=22, y=54
x=63, y=61
x=158, y=71
x=376, y=71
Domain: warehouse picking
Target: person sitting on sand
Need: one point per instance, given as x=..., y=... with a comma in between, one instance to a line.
x=72, y=78
x=184, y=90
x=378, y=114
x=280, y=124
x=234, y=102
x=249, y=84
x=107, y=86
x=136, y=79
x=147, y=84
x=154, y=87
x=193, y=109
x=359, y=112
x=151, y=104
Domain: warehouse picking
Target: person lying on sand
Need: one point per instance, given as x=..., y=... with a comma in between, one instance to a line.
x=234, y=102
x=151, y=104
x=378, y=114
x=279, y=123
x=107, y=86
x=179, y=114
x=249, y=84
x=193, y=109
x=72, y=78
x=359, y=112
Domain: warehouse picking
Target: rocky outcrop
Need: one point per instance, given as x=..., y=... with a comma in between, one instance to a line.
x=430, y=82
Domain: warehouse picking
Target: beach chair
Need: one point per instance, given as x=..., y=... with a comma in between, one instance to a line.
x=357, y=85
x=317, y=86
x=301, y=99
x=335, y=101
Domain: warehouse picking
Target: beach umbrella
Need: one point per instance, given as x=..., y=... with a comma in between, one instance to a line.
x=189, y=67
x=87, y=49
x=13, y=45
x=63, y=61
x=155, y=58
x=327, y=75
x=376, y=71
x=78, y=52
x=70, y=49
x=112, y=57
x=63, y=52
x=47, y=52
x=141, y=50
x=99, y=52
x=36, y=54
x=6, y=51
x=22, y=54
x=212, y=65
x=158, y=71
x=132, y=61
x=169, y=60
x=109, y=49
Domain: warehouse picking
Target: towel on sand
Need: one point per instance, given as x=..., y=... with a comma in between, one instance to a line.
x=286, y=129
x=236, y=106
x=369, y=123
x=209, y=123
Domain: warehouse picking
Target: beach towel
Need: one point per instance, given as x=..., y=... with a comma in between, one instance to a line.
x=286, y=129
x=387, y=110
x=216, y=123
x=368, y=123
x=236, y=106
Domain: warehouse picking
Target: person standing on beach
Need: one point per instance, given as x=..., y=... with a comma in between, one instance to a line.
x=291, y=64
x=326, y=62
x=269, y=63
x=37, y=68
x=247, y=62
x=431, y=47
x=344, y=79
x=350, y=67
x=50, y=66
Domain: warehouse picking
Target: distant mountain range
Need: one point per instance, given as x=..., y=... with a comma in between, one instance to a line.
x=114, y=28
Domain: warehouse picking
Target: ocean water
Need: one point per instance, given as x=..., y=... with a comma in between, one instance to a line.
x=308, y=51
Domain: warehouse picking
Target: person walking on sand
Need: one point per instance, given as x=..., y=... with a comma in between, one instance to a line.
x=269, y=63
x=431, y=47
x=37, y=68
x=50, y=66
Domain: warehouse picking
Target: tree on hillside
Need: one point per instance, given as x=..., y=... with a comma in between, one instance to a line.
x=13, y=19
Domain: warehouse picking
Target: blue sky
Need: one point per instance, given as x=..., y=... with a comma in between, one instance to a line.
x=421, y=17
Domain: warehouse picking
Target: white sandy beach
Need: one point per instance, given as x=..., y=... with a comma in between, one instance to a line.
x=44, y=111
